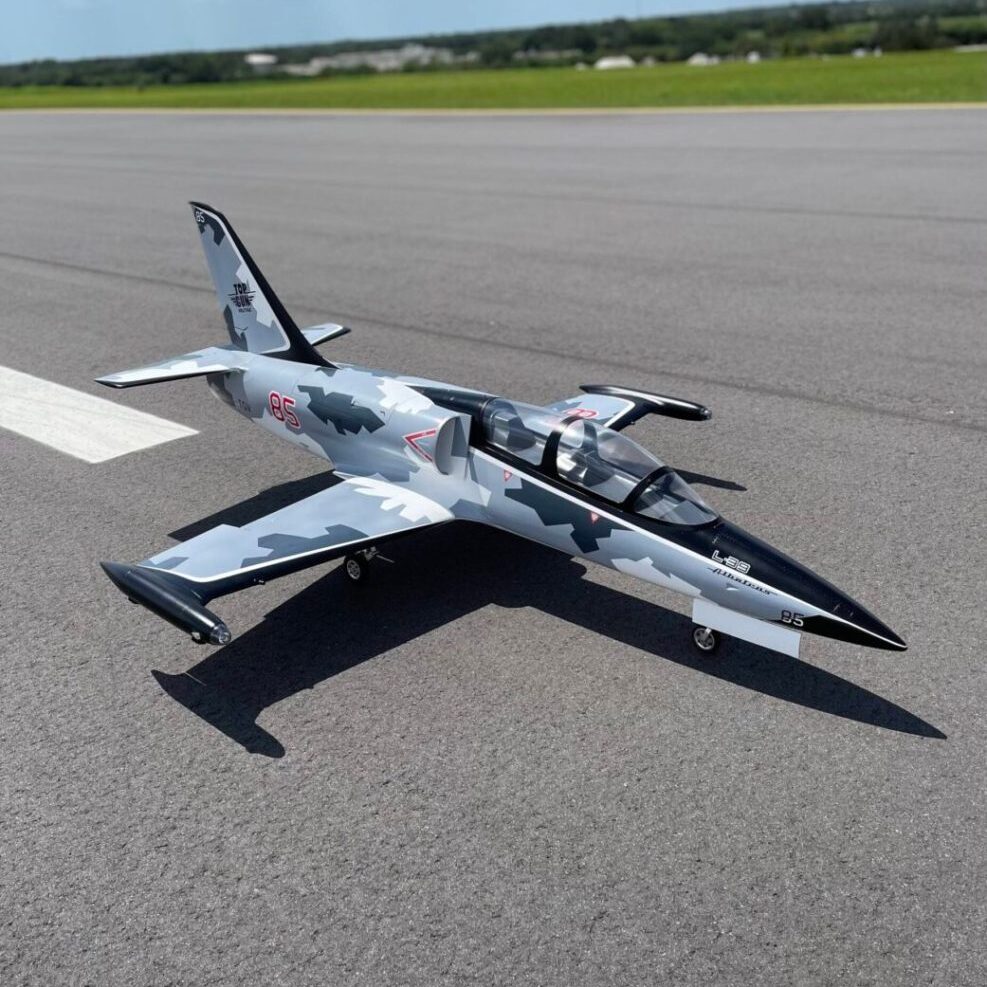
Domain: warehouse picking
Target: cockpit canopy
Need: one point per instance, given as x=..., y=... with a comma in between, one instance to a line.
x=595, y=458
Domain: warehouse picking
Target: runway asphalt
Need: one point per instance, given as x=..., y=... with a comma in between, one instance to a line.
x=495, y=766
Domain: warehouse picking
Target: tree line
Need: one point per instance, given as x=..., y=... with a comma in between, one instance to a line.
x=821, y=29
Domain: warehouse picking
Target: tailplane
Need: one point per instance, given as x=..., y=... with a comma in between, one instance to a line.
x=255, y=318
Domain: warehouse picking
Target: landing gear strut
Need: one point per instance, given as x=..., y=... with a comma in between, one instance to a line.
x=705, y=639
x=356, y=567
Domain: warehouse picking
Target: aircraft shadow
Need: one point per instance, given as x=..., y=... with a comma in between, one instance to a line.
x=442, y=575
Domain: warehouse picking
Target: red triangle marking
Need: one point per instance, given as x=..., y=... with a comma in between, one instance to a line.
x=594, y=517
x=412, y=438
x=507, y=475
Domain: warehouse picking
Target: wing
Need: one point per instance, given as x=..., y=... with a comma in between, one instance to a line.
x=176, y=583
x=601, y=408
x=617, y=407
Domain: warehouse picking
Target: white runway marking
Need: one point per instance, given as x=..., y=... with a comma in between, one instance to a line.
x=81, y=425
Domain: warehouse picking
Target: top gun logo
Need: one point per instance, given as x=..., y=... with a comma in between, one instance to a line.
x=242, y=297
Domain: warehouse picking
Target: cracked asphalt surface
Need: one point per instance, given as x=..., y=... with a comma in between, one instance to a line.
x=495, y=765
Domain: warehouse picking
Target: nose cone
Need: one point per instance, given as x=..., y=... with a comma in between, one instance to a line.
x=851, y=622
x=843, y=618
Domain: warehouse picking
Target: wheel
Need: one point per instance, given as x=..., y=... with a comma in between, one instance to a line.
x=356, y=568
x=705, y=639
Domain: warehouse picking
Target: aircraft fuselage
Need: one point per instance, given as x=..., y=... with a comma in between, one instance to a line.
x=430, y=436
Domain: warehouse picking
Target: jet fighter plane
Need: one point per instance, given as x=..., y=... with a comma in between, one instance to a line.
x=410, y=453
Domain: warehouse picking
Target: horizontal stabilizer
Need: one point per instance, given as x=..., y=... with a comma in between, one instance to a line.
x=211, y=360
x=323, y=333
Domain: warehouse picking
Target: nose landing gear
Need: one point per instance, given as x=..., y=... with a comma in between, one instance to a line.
x=706, y=640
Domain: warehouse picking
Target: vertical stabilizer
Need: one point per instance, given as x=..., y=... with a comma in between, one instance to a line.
x=255, y=318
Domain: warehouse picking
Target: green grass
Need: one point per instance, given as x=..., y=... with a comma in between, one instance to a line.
x=915, y=77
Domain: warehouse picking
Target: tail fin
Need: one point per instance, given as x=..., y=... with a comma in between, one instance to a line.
x=255, y=318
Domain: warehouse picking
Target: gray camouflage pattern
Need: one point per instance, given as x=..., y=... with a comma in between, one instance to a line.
x=404, y=461
x=247, y=312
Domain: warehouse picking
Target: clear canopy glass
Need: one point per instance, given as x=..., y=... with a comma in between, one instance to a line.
x=606, y=462
x=520, y=429
x=595, y=458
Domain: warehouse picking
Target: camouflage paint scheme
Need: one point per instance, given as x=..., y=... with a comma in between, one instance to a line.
x=406, y=462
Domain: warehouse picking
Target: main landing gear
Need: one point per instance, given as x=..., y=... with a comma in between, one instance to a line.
x=706, y=640
x=356, y=567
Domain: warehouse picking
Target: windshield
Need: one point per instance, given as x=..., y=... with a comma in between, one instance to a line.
x=672, y=500
x=606, y=462
x=520, y=429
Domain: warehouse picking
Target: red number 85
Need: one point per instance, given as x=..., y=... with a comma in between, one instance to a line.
x=281, y=405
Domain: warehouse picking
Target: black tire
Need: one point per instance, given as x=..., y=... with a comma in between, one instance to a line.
x=705, y=640
x=356, y=569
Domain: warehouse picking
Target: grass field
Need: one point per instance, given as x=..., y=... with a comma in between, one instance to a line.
x=941, y=76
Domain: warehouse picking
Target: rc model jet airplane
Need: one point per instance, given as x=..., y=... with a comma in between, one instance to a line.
x=411, y=453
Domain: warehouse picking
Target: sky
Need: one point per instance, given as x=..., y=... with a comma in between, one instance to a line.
x=31, y=29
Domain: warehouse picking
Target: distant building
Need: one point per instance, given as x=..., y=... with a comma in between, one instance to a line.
x=260, y=61
x=701, y=58
x=614, y=62
x=382, y=60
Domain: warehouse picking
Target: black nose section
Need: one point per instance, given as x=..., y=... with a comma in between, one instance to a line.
x=860, y=628
x=844, y=620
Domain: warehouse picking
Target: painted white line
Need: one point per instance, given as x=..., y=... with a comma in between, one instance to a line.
x=89, y=428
